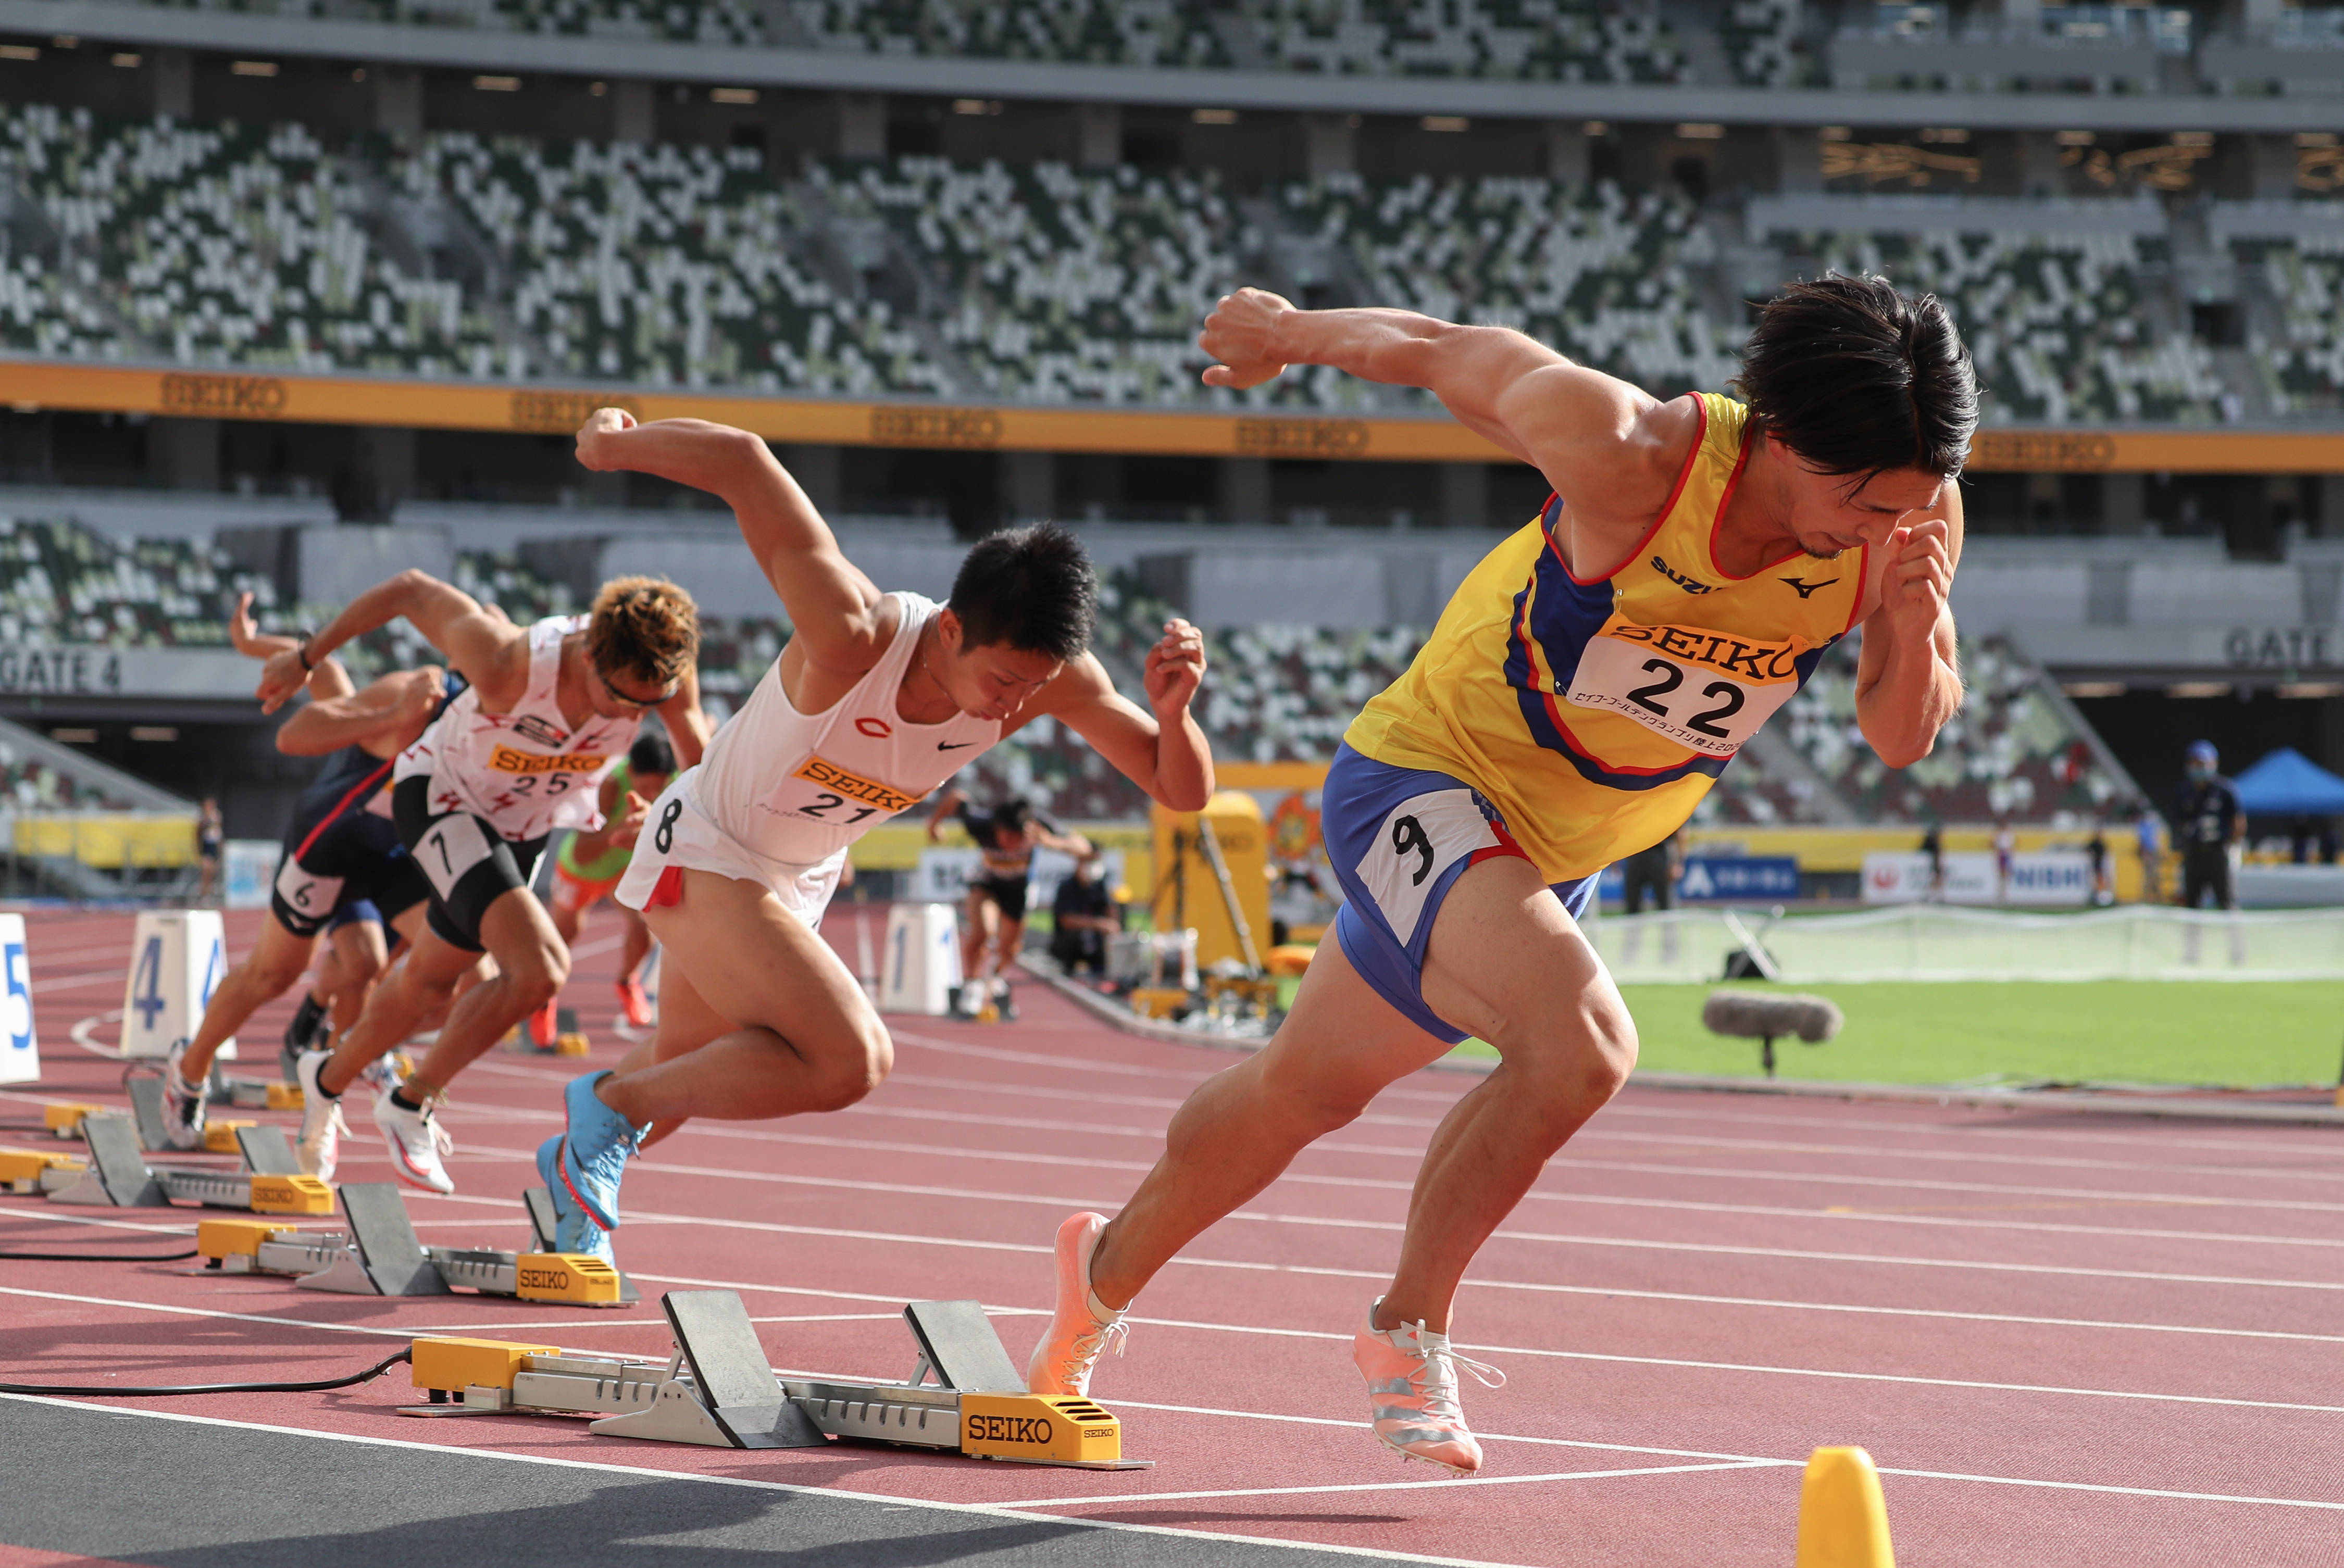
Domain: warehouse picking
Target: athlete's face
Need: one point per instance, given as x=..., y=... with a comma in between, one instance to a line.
x=1830, y=513
x=994, y=681
x=617, y=697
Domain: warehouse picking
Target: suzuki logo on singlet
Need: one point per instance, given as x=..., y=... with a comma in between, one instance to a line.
x=1805, y=589
x=1686, y=583
x=876, y=728
x=532, y=727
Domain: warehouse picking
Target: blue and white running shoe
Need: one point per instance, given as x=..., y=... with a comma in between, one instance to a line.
x=584, y=1168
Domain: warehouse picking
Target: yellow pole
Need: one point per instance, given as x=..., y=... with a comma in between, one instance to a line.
x=1842, y=1518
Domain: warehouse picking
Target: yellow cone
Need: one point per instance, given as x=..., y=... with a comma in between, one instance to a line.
x=1843, y=1519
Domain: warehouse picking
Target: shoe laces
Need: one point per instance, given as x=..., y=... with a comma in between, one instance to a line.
x=1087, y=1348
x=442, y=1139
x=1435, y=1381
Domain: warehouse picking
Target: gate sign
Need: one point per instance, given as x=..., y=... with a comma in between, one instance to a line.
x=20, y=1050
x=2041, y=879
x=1718, y=879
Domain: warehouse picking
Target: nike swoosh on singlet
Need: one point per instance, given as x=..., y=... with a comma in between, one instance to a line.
x=954, y=745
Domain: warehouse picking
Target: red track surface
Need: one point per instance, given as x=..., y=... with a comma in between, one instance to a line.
x=2064, y=1340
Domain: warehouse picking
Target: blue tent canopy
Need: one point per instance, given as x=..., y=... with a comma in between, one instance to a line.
x=2287, y=783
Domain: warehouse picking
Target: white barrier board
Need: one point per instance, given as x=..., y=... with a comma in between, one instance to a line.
x=177, y=958
x=919, y=964
x=20, y=1048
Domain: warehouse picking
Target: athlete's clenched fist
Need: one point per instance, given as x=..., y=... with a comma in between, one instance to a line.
x=1917, y=577
x=1242, y=335
x=593, y=448
x=1175, y=667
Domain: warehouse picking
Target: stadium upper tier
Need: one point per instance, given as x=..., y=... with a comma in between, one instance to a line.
x=2129, y=49
x=670, y=265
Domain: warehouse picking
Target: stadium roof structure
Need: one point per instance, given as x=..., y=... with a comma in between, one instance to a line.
x=2287, y=783
x=467, y=48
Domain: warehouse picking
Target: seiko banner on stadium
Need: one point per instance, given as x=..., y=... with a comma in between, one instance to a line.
x=2041, y=878
x=91, y=672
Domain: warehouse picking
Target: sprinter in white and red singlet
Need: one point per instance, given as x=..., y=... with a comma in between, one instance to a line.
x=878, y=699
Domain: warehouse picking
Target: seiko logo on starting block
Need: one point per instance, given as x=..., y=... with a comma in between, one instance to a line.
x=1039, y=1427
x=575, y=1277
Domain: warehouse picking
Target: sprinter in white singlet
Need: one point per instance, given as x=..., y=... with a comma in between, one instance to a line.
x=550, y=711
x=878, y=699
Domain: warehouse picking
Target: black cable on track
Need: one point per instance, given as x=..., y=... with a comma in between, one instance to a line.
x=320, y=1386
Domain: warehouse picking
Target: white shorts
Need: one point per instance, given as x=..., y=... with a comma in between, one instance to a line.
x=679, y=833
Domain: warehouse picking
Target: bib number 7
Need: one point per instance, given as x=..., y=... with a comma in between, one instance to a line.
x=451, y=847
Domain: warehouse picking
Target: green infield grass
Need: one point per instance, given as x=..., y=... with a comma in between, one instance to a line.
x=2259, y=1032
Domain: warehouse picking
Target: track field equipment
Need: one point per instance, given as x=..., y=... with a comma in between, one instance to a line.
x=378, y=1254
x=116, y=1175
x=1842, y=1517
x=1767, y=1016
x=717, y=1390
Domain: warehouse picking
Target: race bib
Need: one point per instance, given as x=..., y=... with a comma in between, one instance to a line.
x=1708, y=691
x=1418, y=841
x=450, y=848
x=308, y=892
x=841, y=796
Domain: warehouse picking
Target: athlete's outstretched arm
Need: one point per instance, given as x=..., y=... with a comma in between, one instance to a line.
x=835, y=612
x=1161, y=751
x=1908, y=679
x=1608, y=448
x=485, y=647
x=394, y=709
x=330, y=680
x=687, y=727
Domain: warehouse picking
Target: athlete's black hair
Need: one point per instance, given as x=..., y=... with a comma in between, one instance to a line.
x=1030, y=587
x=651, y=754
x=1857, y=378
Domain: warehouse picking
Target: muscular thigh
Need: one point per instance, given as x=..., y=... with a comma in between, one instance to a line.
x=751, y=963
x=1509, y=964
x=1341, y=1043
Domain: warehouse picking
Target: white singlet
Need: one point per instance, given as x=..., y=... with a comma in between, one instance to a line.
x=526, y=772
x=781, y=794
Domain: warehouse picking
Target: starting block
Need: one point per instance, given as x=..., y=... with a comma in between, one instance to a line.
x=717, y=1390
x=118, y=1177
x=378, y=1254
x=65, y=1121
x=145, y=1093
x=26, y=1172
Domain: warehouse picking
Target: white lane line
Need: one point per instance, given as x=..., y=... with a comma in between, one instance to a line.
x=1833, y=1374
x=1920, y=1184
x=1597, y=1132
x=2118, y=1490
x=1958, y=1121
x=853, y=1144
x=1391, y=1485
x=890, y=1500
x=1556, y=1237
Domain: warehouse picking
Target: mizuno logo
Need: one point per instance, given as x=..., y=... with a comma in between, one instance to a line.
x=954, y=745
x=1686, y=583
x=1806, y=589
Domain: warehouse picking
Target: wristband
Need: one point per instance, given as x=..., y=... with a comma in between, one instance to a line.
x=301, y=652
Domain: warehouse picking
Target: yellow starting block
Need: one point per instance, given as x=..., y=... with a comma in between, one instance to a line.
x=1842, y=1517
x=65, y=1121
x=21, y=1169
x=219, y=1137
x=571, y=1044
x=1157, y=1001
x=718, y=1391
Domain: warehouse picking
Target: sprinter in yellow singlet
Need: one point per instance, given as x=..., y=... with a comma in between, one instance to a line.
x=1586, y=685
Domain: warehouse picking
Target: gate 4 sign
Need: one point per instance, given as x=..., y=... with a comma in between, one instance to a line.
x=176, y=961
x=1706, y=691
x=1708, y=877
x=20, y=1050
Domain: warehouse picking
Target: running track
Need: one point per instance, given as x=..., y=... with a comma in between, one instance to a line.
x=2066, y=1340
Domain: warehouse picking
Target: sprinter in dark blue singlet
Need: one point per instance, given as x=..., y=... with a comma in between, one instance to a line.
x=344, y=870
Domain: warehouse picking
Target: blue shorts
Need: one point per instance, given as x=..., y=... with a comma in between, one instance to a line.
x=1398, y=839
x=350, y=912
